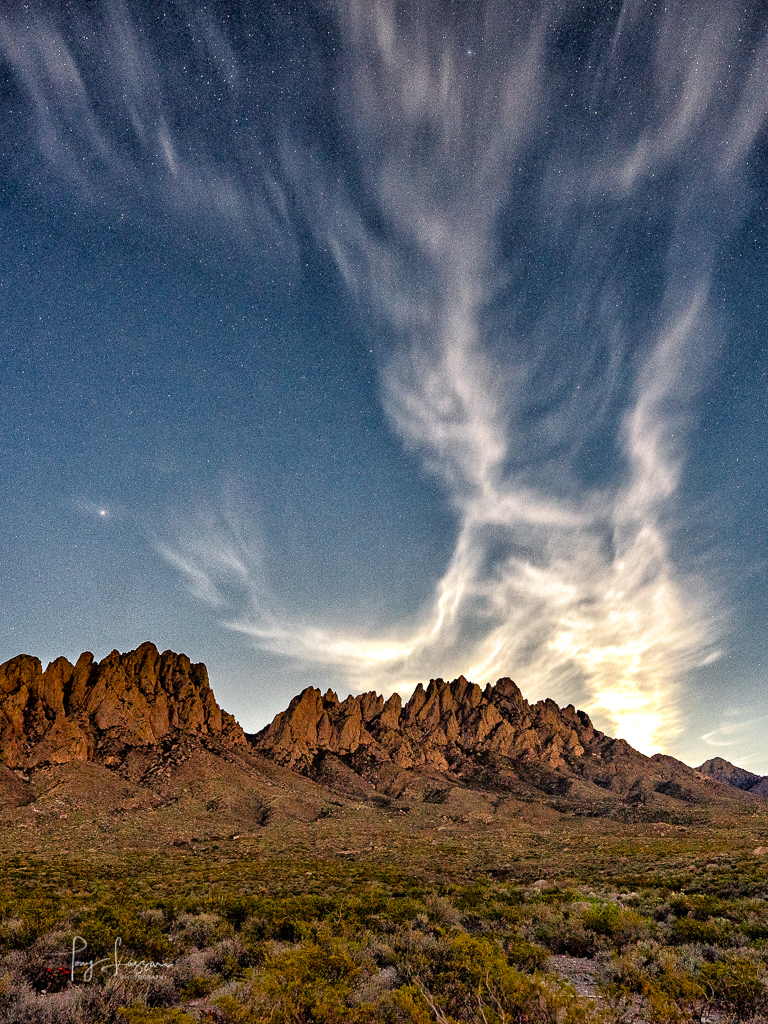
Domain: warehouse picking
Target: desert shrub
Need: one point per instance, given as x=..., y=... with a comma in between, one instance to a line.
x=253, y=934
x=30, y=1007
x=152, y=916
x=374, y=987
x=553, y=896
x=112, y=916
x=200, y=930
x=563, y=933
x=76, y=1004
x=472, y=980
x=160, y=990
x=736, y=987
x=197, y=987
x=310, y=983
x=705, y=905
x=227, y=957
x=473, y=897
x=145, y=1015
x=442, y=912
x=649, y=976
x=7, y=984
x=236, y=910
x=602, y=919
x=524, y=955
x=415, y=951
x=191, y=967
x=403, y=910
x=755, y=927
x=619, y=925
x=28, y=918
x=287, y=930
x=46, y=965
x=687, y=929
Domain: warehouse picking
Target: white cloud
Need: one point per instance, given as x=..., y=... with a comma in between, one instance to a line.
x=571, y=586
x=736, y=733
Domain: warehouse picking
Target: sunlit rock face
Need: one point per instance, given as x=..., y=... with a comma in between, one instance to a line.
x=445, y=722
x=454, y=737
x=76, y=712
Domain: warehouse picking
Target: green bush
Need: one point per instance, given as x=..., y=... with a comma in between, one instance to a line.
x=666, y=992
x=524, y=955
x=197, y=987
x=471, y=980
x=736, y=986
x=144, y=1015
x=310, y=983
x=602, y=919
x=687, y=929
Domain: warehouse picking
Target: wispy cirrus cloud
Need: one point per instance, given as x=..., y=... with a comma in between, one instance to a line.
x=570, y=585
x=740, y=734
x=122, y=104
x=532, y=207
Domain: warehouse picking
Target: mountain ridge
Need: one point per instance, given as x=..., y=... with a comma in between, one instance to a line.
x=428, y=728
x=74, y=712
x=455, y=734
x=724, y=771
x=148, y=717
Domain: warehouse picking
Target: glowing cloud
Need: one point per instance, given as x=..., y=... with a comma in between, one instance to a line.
x=544, y=381
x=569, y=586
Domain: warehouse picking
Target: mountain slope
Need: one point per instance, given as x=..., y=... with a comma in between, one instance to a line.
x=457, y=735
x=139, y=738
x=723, y=771
x=134, y=746
x=95, y=710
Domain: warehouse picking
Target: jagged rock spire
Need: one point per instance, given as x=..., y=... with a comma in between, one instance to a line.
x=70, y=712
x=437, y=725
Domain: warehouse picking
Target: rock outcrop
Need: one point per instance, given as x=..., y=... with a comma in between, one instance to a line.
x=95, y=709
x=493, y=740
x=723, y=771
x=436, y=728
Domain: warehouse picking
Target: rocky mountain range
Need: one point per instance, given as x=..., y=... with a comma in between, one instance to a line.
x=492, y=739
x=97, y=710
x=150, y=721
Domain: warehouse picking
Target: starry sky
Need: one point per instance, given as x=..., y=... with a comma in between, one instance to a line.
x=357, y=343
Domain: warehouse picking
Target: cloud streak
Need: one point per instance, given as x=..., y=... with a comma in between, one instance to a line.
x=569, y=584
x=489, y=200
x=122, y=103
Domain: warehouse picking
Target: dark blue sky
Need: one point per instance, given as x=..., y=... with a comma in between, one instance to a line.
x=359, y=343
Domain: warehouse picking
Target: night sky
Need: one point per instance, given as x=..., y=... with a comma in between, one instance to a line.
x=353, y=344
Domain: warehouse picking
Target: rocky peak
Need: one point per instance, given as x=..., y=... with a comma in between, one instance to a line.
x=723, y=771
x=75, y=712
x=437, y=727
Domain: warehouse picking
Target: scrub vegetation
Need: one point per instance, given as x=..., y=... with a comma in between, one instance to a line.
x=600, y=927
